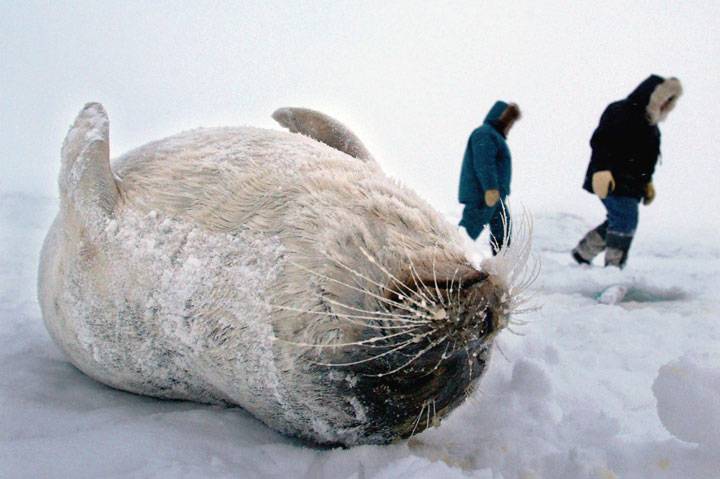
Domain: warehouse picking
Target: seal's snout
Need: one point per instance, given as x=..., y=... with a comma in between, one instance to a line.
x=468, y=311
x=487, y=303
x=476, y=312
x=437, y=342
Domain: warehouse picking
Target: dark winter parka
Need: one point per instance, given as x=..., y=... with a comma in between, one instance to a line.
x=487, y=163
x=626, y=143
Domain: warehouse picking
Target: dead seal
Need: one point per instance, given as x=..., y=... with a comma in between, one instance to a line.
x=281, y=272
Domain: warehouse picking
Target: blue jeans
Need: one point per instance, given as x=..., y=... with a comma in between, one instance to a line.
x=622, y=214
x=475, y=218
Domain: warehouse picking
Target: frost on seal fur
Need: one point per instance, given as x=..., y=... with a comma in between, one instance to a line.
x=269, y=270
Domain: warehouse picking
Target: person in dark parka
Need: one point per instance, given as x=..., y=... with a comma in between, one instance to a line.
x=625, y=150
x=486, y=174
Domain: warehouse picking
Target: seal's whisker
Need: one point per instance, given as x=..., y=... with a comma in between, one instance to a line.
x=427, y=421
x=520, y=296
x=526, y=305
x=469, y=394
x=384, y=270
x=516, y=266
x=532, y=309
x=417, y=420
x=500, y=349
x=350, y=317
x=392, y=276
x=435, y=422
x=442, y=358
x=434, y=271
x=514, y=332
x=416, y=279
x=365, y=291
x=414, y=358
x=372, y=340
x=373, y=358
x=368, y=324
x=514, y=308
x=459, y=288
x=471, y=360
x=381, y=286
x=509, y=256
x=518, y=322
x=452, y=348
x=532, y=273
x=452, y=282
x=386, y=316
x=419, y=285
x=529, y=275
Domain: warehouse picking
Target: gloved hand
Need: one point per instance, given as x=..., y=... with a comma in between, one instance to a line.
x=603, y=183
x=492, y=197
x=649, y=195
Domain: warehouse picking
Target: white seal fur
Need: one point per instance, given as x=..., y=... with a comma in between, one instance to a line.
x=269, y=270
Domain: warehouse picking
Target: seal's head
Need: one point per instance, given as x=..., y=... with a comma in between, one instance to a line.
x=402, y=320
x=431, y=348
x=409, y=339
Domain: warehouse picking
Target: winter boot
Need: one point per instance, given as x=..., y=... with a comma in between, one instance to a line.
x=618, y=246
x=591, y=245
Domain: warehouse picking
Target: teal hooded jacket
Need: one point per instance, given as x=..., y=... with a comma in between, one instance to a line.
x=487, y=163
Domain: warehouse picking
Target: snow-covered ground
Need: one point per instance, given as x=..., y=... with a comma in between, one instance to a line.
x=583, y=390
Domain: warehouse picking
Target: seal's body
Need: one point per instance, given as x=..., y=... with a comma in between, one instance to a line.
x=268, y=270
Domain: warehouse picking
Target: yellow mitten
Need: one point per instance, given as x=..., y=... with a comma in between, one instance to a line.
x=492, y=197
x=649, y=195
x=603, y=183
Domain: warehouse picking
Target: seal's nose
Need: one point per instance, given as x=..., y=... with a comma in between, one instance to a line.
x=479, y=313
x=494, y=297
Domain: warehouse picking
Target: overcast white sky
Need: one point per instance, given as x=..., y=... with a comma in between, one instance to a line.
x=412, y=79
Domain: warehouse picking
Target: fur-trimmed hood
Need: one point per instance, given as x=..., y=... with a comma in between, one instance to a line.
x=663, y=100
x=657, y=96
x=502, y=115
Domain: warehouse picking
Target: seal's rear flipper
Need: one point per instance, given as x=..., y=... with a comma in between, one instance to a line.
x=322, y=128
x=87, y=186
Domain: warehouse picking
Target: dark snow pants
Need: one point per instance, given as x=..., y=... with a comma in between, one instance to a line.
x=475, y=218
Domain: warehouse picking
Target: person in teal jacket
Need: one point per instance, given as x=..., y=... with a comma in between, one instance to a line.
x=486, y=174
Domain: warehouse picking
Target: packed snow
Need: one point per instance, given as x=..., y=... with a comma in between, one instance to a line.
x=582, y=390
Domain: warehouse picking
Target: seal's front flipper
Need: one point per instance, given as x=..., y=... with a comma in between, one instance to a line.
x=88, y=189
x=322, y=128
